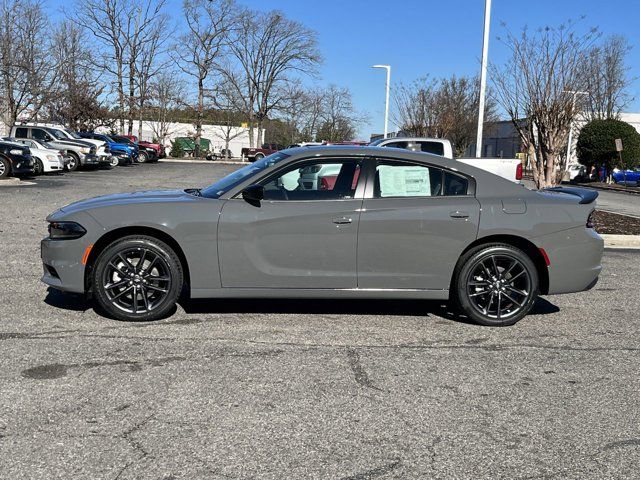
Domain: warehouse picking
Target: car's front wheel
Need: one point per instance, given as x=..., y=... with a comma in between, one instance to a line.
x=495, y=284
x=38, y=167
x=137, y=278
x=143, y=157
x=115, y=161
x=74, y=162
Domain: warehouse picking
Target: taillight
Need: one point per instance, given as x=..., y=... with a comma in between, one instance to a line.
x=591, y=219
x=519, y=172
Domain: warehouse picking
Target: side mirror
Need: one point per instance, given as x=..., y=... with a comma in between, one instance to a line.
x=253, y=194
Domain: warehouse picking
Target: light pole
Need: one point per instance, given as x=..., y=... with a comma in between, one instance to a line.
x=386, y=105
x=575, y=94
x=483, y=75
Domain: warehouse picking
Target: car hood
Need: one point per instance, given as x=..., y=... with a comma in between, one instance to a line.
x=150, y=196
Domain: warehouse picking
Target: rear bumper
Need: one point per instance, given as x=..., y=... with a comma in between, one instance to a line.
x=575, y=259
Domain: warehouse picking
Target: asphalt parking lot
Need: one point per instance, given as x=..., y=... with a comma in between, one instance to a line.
x=305, y=389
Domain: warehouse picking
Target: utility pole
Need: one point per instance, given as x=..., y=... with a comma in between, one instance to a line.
x=483, y=75
x=386, y=105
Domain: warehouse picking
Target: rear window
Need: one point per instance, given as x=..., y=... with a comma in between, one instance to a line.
x=21, y=133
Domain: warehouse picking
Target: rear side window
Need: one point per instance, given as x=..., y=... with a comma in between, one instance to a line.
x=21, y=133
x=394, y=180
x=432, y=147
x=39, y=134
x=435, y=148
x=455, y=184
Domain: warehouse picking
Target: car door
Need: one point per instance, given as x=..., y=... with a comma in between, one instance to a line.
x=416, y=220
x=294, y=238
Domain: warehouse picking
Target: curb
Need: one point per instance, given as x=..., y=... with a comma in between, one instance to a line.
x=15, y=182
x=211, y=162
x=621, y=241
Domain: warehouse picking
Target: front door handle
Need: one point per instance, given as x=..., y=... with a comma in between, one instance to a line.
x=459, y=214
x=342, y=220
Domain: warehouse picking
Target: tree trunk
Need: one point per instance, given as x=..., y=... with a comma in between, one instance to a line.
x=132, y=97
x=120, y=92
x=259, y=138
x=199, y=115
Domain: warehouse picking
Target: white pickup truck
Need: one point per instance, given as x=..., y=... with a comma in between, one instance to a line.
x=509, y=168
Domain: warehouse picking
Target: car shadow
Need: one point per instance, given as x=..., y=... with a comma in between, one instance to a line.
x=417, y=308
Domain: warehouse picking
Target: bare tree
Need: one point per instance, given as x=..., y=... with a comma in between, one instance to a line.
x=145, y=35
x=607, y=78
x=339, y=118
x=533, y=87
x=164, y=100
x=209, y=23
x=107, y=22
x=415, y=111
x=28, y=74
x=78, y=103
x=268, y=49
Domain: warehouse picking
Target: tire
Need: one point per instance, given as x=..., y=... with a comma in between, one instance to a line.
x=38, y=167
x=259, y=156
x=143, y=157
x=492, y=276
x=128, y=292
x=115, y=161
x=74, y=162
x=5, y=167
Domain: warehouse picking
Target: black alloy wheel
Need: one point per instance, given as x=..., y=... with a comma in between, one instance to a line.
x=137, y=278
x=496, y=285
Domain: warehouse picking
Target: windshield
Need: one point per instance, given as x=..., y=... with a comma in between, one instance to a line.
x=58, y=134
x=72, y=134
x=48, y=145
x=227, y=183
x=377, y=142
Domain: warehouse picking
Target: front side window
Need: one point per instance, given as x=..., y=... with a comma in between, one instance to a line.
x=333, y=179
x=406, y=180
x=39, y=134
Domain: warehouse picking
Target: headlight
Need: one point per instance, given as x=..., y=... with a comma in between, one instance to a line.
x=16, y=151
x=65, y=230
x=53, y=158
x=85, y=150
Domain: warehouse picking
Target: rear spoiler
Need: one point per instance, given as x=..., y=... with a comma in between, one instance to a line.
x=586, y=195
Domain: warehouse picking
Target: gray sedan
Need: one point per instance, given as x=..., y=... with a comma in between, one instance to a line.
x=376, y=223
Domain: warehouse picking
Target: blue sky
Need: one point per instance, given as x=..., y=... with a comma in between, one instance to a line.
x=439, y=38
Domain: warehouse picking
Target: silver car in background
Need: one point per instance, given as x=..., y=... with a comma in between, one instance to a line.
x=388, y=223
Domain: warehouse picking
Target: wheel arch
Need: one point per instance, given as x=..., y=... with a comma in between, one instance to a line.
x=117, y=233
x=526, y=246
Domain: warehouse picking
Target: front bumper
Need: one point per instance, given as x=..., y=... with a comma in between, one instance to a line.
x=104, y=159
x=62, y=259
x=575, y=259
x=90, y=159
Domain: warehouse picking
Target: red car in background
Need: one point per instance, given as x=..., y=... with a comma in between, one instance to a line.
x=158, y=147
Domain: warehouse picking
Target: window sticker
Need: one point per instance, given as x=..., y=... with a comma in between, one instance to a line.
x=404, y=181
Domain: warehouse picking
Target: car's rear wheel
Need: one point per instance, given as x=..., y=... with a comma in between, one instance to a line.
x=259, y=156
x=74, y=162
x=5, y=168
x=495, y=284
x=137, y=278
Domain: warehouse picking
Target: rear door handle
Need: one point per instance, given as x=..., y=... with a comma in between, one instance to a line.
x=342, y=220
x=459, y=214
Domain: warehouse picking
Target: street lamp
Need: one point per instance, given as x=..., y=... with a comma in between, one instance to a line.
x=483, y=75
x=386, y=107
x=575, y=94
